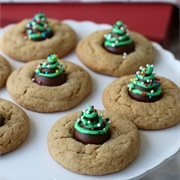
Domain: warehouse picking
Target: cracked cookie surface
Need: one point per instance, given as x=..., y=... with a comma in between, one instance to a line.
x=91, y=52
x=160, y=114
x=5, y=70
x=16, y=126
x=110, y=157
x=15, y=46
x=39, y=98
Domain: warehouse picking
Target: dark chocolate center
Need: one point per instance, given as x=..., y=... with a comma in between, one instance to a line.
x=120, y=49
x=91, y=139
x=48, y=36
x=144, y=98
x=50, y=81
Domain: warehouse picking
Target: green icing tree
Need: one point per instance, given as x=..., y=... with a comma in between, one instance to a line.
x=145, y=82
x=38, y=28
x=51, y=68
x=91, y=122
x=118, y=36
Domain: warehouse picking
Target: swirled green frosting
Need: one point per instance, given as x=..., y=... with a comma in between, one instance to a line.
x=92, y=123
x=145, y=79
x=44, y=68
x=119, y=36
x=38, y=27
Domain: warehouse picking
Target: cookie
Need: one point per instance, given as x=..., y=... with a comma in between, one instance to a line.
x=90, y=50
x=42, y=98
x=160, y=114
x=18, y=45
x=14, y=126
x=5, y=70
x=91, y=159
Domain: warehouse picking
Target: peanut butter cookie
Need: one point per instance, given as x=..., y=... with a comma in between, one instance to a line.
x=30, y=92
x=31, y=39
x=160, y=114
x=99, y=51
x=14, y=126
x=94, y=159
x=5, y=70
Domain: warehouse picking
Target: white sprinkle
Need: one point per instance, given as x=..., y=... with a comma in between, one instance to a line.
x=152, y=91
x=98, y=125
x=109, y=35
x=124, y=55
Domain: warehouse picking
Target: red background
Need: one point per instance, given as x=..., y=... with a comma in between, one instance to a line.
x=153, y=20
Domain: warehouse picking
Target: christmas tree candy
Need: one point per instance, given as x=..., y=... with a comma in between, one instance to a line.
x=50, y=73
x=38, y=28
x=145, y=86
x=118, y=41
x=91, y=128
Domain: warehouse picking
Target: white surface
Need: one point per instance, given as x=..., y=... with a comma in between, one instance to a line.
x=32, y=160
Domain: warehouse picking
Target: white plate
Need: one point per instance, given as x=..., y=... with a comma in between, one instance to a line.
x=32, y=160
